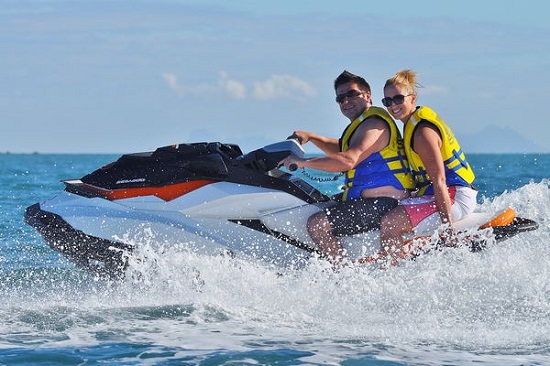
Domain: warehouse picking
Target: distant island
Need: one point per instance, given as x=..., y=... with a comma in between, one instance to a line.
x=498, y=140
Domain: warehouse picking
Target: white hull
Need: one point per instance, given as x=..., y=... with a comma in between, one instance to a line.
x=204, y=226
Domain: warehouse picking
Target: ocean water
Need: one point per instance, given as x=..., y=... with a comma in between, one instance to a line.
x=447, y=308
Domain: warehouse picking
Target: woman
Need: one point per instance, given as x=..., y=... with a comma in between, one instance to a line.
x=443, y=176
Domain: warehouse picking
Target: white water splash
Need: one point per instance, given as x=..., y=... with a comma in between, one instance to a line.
x=453, y=301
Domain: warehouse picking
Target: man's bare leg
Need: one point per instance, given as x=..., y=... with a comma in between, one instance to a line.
x=320, y=231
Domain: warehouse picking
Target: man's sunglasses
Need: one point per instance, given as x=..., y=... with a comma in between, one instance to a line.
x=397, y=99
x=348, y=95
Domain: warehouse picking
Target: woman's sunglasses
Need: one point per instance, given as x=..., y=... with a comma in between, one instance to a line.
x=397, y=99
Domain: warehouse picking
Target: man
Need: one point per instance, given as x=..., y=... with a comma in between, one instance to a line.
x=371, y=154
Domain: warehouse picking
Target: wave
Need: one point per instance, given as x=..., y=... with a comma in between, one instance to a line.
x=497, y=299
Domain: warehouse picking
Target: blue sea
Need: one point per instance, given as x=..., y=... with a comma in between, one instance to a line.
x=446, y=308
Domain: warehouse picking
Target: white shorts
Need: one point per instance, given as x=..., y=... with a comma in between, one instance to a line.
x=423, y=211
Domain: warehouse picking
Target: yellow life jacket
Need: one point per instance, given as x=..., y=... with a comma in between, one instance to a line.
x=457, y=170
x=387, y=167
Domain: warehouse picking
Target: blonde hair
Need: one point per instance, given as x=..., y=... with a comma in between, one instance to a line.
x=406, y=79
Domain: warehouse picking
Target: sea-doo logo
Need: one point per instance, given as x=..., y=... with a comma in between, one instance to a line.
x=124, y=181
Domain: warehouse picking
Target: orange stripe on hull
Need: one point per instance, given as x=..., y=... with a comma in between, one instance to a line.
x=166, y=193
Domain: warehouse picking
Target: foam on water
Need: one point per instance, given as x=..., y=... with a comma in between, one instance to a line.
x=495, y=303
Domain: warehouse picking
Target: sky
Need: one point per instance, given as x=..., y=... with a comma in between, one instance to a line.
x=128, y=76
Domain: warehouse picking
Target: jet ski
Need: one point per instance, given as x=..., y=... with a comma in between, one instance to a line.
x=210, y=198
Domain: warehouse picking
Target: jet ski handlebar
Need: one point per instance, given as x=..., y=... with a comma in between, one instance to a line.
x=269, y=156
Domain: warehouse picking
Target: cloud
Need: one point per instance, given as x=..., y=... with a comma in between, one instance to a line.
x=179, y=89
x=283, y=86
x=172, y=82
x=486, y=94
x=434, y=90
x=234, y=88
x=275, y=87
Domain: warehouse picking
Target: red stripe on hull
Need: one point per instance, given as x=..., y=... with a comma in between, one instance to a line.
x=167, y=193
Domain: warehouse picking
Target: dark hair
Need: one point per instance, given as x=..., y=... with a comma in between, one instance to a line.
x=346, y=77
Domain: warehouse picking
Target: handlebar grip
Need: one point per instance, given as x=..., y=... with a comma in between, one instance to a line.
x=294, y=137
x=293, y=167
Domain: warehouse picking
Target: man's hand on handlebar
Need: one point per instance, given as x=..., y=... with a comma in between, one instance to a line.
x=301, y=136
